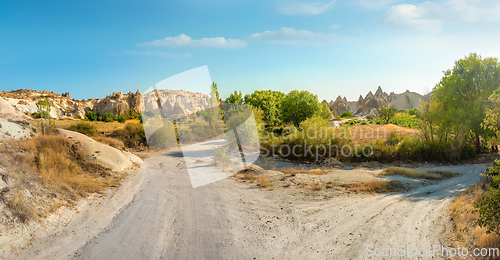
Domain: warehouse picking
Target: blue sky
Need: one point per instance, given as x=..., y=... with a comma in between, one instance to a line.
x=92, y=48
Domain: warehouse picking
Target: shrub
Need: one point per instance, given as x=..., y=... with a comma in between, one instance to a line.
x=107, y=117
x=221, y=158
x=91, y=115
x=346, y=114
x=132, y=135
x=121, y=118
x=489, y=206
x=84, y=128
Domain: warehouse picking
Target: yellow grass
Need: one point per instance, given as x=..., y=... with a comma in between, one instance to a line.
x=110, y=141
x=56, y=164
x=439, y=175
x=464, y=232
x=371, y=133
x=372, y=186
x=264, y=182
x=294, y=172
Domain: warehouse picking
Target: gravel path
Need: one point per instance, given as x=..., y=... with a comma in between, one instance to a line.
x=168, y=219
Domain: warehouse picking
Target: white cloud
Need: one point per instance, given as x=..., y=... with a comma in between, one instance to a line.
x=410, y=16
x=377, y=4
x=335, y=26
x=305, y=8
x=291, y=36
x=158, y=54
x=186, y=41
x=430, y=16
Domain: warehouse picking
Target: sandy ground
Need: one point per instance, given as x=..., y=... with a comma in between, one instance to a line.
x=158, y=215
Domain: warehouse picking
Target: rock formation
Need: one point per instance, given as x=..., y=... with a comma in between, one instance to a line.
x=25, y=101
x=372, y=103
x=175, y=104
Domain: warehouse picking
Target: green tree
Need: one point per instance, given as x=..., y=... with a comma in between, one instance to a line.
x=458, y=101
x=214, y=90
x=325, y=111
x=108, y=117
x=298, y=106
x=43, y=109
x=91, y=115
x=236, y=98
x=269, y=101
x=387, y=113
x=346, y=114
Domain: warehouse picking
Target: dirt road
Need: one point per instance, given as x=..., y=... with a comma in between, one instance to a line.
x=168, y=219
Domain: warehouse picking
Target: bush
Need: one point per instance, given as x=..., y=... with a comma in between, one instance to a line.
x=221, y=159
x=91, y=115
x=346, y=114
x=107, y=117
x=489, y=206
x=121, y=118
x=84, y=128
x=132, y=135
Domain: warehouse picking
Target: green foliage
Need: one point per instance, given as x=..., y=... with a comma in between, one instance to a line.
x=489, y=206
x=387, y=113
x=215, y=91
x=84, y=128
x=458, y=102
x=91, y=115
x=43, y=109
x=325, y=111
x=269, y=102
x=346, y=114
x=107, y=117
x=297, y=106
x=401, y=119
x=235, y=98
x=131, y=114
x=132, y=135
x=221, y=158
x=121, y=118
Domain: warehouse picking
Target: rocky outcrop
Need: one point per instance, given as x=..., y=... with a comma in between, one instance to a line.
x=118, y=103
x=366, y=105
x=102, y=154
x=339, y=106
x=175, y=104
x=14, y=130
x=371, y=102
x=407, y=100
x=25, y=101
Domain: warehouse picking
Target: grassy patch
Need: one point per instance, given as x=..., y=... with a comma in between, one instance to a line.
x=46, y=172
x=264, y=182
x=439, y=175
x=465, y=231
x=374, y=186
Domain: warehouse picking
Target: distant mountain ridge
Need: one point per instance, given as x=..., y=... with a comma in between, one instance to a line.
x=372, y=103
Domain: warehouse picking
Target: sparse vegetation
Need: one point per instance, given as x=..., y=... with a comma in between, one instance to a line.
x=84, y=128
x=418, y=174
x=373, y=186
x=54, y=171
x=346, y=114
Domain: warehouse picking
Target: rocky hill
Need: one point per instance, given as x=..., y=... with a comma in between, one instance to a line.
x=175, y=103
x=372, y=103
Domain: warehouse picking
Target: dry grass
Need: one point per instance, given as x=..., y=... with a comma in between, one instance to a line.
x=317, y=186
x=374, y=186
x=49, y=167
x=264, y=182
x=371, y=133
x=464, y=232
x=249, y=176
x=110, y=141
x=294, y=172
x=439, y=175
